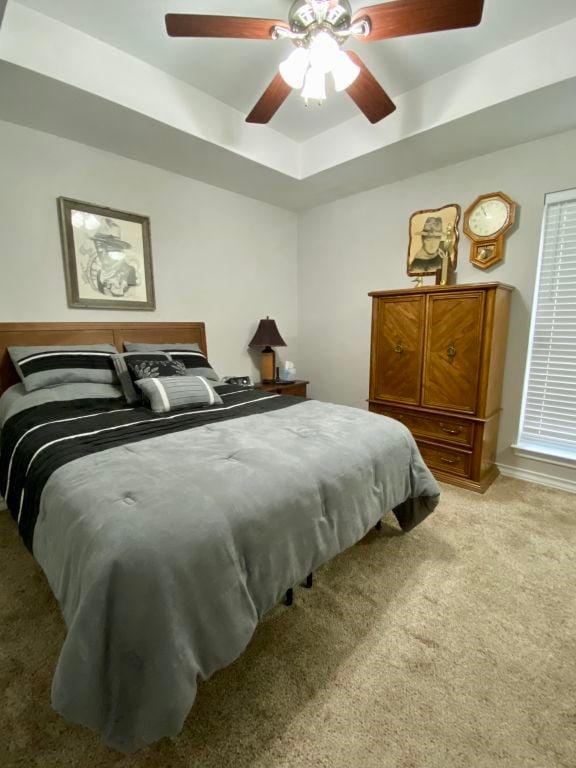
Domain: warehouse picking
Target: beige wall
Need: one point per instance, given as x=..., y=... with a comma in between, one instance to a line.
x=218, y=257
x=359, y=244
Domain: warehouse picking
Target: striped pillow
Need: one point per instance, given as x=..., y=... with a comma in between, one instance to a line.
x=168, y=393
x=46, y=366
x=190, y=354
x=121, y=360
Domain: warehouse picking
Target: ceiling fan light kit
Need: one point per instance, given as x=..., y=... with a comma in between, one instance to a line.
x=319, y=29
x=315, y=28
x=307, y=67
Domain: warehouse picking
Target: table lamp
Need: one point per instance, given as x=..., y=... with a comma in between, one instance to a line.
x=267, y=336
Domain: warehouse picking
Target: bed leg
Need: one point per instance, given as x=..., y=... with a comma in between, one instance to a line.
x=378, y=526
x=308, y=582
x=289, y=596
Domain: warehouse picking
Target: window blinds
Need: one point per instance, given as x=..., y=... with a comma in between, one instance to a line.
x=548, y=421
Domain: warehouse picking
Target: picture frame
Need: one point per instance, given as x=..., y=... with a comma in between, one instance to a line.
x=107, y=257
x=433, y=237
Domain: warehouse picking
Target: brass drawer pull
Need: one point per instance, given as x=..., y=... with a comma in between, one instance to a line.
x=450, y=430
x=451, y=352
x=399, y=348
x=444, y=460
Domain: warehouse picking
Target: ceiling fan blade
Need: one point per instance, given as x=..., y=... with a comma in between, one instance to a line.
x=368, y=94
x=196, y=25
x=270, y=101
x=413, y=17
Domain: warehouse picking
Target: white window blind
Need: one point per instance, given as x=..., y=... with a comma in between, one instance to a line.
x=548, y=421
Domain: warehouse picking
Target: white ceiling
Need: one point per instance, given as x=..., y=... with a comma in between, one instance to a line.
x=237, y=71
x=104, y=73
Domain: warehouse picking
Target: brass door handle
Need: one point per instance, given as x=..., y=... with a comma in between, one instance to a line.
x=399, y=348
x=449, y=430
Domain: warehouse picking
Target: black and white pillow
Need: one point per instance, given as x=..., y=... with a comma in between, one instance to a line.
x=152, y=369
x=165, y=394
x=50, y=365
x=122, y=362
x=189, y=354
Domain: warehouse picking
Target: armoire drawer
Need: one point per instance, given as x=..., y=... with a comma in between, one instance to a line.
x=449, y=460
x=447, y=429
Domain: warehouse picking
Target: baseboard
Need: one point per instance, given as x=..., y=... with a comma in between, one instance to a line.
x=541, y=478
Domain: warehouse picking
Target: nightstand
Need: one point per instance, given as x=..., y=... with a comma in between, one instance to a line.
x=297, y=387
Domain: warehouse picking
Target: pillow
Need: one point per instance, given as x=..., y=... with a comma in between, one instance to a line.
x=46, y=366
x=152, y=369
x=121, y=360
x=165, y=394
x=189, y=354
x=16, y=399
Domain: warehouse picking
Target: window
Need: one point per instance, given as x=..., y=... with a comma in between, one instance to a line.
x=548, y=421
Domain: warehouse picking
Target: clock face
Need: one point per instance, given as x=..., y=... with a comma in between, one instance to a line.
x=488, y=217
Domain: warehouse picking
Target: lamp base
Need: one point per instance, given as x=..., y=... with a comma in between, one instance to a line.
x=267, y=365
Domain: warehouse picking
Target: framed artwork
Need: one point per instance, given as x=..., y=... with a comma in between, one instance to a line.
x=107, y=257
x=433, y=238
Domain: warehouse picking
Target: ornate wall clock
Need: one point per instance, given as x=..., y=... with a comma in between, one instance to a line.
x=486, y=222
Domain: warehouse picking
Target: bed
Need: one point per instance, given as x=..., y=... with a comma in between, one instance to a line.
x=166, y=538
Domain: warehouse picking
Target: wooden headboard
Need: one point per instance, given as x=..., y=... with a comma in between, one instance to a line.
x=40, y=334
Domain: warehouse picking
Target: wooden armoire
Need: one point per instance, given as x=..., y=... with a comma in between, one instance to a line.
x=436, y=365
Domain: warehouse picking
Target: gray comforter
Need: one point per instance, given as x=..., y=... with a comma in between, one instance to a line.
x=165, y=553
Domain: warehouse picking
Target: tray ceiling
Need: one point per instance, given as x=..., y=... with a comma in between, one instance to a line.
x=237, y=71
x=106, y=74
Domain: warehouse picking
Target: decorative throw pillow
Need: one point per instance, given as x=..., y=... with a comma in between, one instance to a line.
x=165, y=394
x=49, y=365
x=152, y=369
x=120, y=362
x=190, y=354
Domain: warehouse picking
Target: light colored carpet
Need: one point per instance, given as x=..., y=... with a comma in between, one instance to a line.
x=451, y=647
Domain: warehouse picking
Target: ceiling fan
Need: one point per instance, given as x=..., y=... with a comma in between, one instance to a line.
x=319, y=29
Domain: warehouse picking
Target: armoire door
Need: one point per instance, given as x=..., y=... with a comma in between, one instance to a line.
x=453, y=349
x=397, y=341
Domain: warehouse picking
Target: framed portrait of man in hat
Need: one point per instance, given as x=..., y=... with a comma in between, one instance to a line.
x=433, y=239
x=107, y=257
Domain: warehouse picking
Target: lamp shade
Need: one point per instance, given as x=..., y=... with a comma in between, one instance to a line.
x=344, y=71
x=314, y=85
x=293, y=69
x=267, y=335
x=323, y=52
